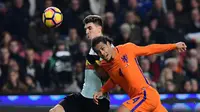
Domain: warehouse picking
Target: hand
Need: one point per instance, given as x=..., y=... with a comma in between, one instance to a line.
x=181, y=46
x=96, y=96
x=57, y=108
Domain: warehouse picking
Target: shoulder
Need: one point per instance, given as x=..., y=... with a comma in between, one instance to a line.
x=126, y=45
x=92, y=55
x=129, y=44
x=91, y=52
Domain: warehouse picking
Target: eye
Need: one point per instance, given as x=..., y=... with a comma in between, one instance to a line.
x=90, y=28
x=102, y=48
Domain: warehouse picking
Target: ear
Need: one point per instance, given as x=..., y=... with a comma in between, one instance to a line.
x=100, y=28
x=108, y=43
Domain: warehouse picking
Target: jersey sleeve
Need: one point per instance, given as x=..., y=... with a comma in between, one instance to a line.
x=150, y=49
x=108, y=86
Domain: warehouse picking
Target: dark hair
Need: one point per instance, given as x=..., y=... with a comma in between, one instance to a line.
x=99, y=39
x=93, y=19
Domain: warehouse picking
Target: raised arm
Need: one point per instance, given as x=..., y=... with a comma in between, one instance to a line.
x=155, y=48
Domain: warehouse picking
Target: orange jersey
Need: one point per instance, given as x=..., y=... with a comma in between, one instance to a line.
x=124, y=69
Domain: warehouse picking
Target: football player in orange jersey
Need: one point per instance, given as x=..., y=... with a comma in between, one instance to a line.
x=122, y=66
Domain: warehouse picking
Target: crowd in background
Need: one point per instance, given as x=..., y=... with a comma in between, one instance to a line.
x=37, y=59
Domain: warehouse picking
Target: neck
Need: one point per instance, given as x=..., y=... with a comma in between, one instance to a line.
x=32, y=85
x=5, y=61
x=30, y=61
x=14, y=83
x=171, y=25
x=97, y=35
x=114, y=53
x=146, y=39
x=101, y=34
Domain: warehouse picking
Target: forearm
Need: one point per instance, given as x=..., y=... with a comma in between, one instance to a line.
x=108, y=86
x=157, y=48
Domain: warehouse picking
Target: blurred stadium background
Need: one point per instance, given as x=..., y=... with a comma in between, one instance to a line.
x=30, y=80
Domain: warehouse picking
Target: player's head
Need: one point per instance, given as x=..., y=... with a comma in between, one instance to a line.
x=93, y=26
x=102, y=46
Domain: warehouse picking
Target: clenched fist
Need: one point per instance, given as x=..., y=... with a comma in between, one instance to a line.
x=181, y=46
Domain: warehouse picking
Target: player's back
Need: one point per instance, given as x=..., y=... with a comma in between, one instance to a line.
x=124, y=70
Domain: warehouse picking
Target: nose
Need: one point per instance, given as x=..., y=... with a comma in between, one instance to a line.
x=102, y=53
x=87, y=31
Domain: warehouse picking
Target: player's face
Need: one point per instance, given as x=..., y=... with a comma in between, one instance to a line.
x=92, y=30
x=104, y=51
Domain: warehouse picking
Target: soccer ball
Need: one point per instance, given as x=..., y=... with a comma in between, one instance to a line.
x=52, y=17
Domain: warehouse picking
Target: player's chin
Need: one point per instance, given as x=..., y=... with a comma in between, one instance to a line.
x=88, y=37
x=106, y=59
